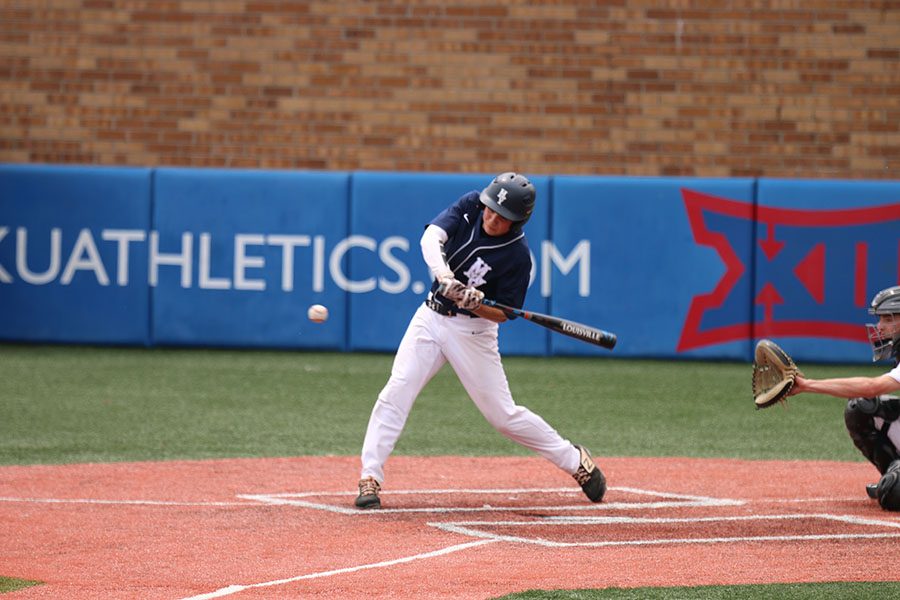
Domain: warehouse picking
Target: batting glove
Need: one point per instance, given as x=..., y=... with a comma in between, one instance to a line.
x=451, y=288
x=471, y=299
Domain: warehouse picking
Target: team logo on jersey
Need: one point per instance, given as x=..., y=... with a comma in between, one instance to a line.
x=476, y=272
x=798, y=282
x=501, y=196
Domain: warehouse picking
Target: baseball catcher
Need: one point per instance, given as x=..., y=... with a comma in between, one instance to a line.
x=871, y=414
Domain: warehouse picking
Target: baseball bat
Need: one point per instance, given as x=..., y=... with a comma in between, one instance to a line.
x=579, y=331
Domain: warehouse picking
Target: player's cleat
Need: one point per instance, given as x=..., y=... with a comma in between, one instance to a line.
x=368, y=493
x=589, y=477
x=872, y=490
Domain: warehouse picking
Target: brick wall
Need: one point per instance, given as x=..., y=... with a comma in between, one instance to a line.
x=780, y=88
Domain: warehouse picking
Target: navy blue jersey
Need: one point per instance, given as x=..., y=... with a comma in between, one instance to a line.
x=498, y=266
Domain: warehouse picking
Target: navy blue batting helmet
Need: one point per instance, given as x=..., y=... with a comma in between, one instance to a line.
x=511, y=196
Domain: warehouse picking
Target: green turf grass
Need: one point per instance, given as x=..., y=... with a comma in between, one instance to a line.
x=790, y=591
x=10, y=584
x=78, y=404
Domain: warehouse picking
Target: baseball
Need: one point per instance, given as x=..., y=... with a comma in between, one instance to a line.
x=317, y=313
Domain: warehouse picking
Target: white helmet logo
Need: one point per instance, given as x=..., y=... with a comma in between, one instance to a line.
x=501, y=195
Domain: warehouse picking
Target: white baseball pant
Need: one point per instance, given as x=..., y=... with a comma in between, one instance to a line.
x=470, y=346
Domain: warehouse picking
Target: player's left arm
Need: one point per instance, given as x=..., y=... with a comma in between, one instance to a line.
x=490, y=313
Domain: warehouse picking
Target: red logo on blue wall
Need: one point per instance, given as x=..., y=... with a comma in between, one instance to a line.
x=789, y=272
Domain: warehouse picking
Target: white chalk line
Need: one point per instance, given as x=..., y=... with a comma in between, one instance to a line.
x=804, y=500
x=676, y=501
x=472, y=528
x=297, y=499
x=122, y=502
x=579, y=520
x=449, y=527
x=233, y=589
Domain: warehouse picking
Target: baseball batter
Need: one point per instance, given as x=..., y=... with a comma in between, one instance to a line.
x=873, y=417
x=475, y=247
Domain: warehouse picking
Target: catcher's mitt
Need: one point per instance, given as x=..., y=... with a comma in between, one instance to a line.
x=773, y=374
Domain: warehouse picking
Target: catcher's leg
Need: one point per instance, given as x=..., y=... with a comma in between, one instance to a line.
x=888, y=488
x=868, y=420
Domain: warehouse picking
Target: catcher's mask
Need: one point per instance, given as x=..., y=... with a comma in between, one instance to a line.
x=884, y=336
x=512, y=197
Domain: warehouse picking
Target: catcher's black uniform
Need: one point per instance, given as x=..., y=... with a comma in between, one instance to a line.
x=873, y=427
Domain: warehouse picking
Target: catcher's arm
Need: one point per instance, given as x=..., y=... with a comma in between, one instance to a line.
x=846, y=387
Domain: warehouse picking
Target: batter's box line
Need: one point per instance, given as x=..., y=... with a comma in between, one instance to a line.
x=673, y=501
x=469, y=528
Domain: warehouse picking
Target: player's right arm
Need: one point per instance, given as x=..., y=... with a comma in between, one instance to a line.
x=438, y=231
x=432, y=244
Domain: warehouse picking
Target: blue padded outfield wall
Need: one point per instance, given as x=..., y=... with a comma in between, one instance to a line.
x=677, y=267
x=245, y=253
x=73, y=255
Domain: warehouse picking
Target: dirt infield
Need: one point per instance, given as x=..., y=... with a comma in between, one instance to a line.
x=453, y=527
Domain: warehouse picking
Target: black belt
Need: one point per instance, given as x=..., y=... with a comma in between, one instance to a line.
x=439, y=308
x=443, y=310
